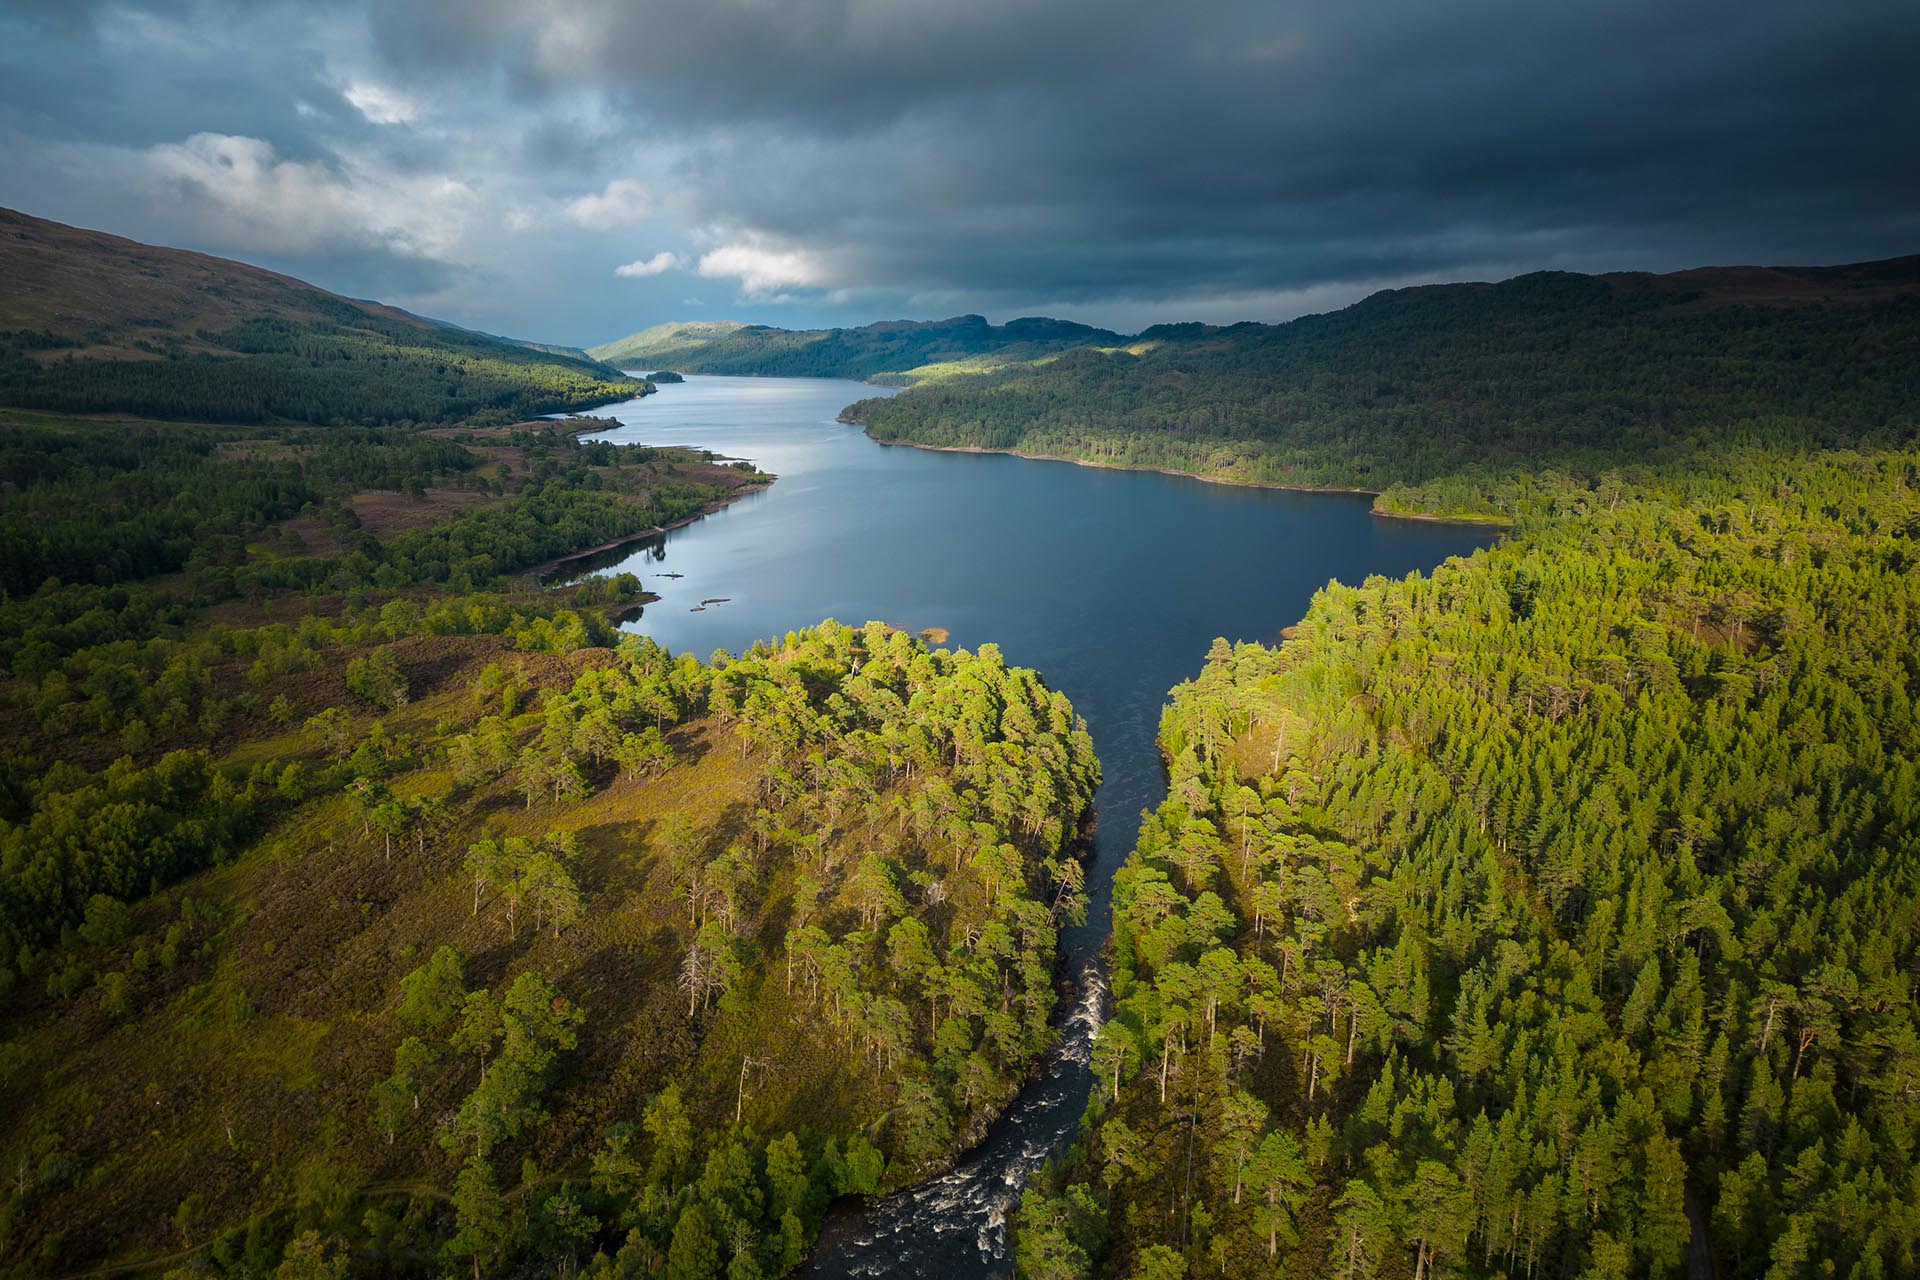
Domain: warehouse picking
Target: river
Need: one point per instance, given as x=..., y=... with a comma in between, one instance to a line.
x=1111, y=583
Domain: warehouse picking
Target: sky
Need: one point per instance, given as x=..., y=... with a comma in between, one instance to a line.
x=575, y=171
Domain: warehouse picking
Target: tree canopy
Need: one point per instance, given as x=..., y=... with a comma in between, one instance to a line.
x=1502, y=912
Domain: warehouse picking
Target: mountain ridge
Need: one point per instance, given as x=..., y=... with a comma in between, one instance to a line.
x=885, y=347
x=1434, y=396
x=882, y=347
x=94, y=322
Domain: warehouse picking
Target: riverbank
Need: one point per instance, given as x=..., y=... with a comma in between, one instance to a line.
x=1503, y=523
x=545, y=571
x=1042, y=562
x=1474, y=521
x=564, y=424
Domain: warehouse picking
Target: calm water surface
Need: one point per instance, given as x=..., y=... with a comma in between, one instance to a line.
x=1111, y=583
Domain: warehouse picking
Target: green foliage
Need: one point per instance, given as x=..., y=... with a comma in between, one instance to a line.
x=107, y=921
x=313, y=1256
x=1157, y=1262
x=1455, y=399
x=88, y=842
x=91, y=504
x=933, y=950
x=527, y=872
x=433, y=993
x=694, y=1254
x=535, y=1025
x=351, y=366
x=931, y=962
x=1059, y=1238
x=1499, y=908
x=378, y=679
x=914, y=948
x=111, y=655
x=116, y=995
x=90, y=515
x=482, y=1229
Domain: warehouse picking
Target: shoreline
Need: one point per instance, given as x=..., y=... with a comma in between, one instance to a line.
x=1490, y=522
x=542, y=572
x=1478, y=522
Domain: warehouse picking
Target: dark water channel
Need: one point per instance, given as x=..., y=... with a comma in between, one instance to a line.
x=1111, y=583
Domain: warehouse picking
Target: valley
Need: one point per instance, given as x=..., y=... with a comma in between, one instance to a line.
x=438, y=837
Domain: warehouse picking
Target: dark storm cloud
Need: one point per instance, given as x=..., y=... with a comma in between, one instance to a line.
x=1123, y=160
x=1082, y=151
x=137, y=75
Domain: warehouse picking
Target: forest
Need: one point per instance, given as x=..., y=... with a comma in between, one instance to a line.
x=371, y=903
x=1504, y=919
x=117, y=543
x=632, y=961
x=1447, y=399
x=443, y=928
x=352, y=368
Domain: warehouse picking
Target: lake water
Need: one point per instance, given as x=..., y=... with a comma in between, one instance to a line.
x=1112, y=583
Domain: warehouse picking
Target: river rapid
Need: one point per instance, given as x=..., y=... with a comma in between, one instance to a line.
x=1111, y=583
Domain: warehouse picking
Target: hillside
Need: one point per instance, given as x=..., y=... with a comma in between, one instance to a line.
x=508, y=955
x=93, y=323
x=1550, y=913
x=365, y=900
x=1847, y=284
x=354, y=881
x=367, y=907
x=895, y=347
x=551, y=348
x=1442, y=395
x=671, y=344
x=1503, y=919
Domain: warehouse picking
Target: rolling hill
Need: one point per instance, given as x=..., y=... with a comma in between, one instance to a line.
x=91, y=322
x=1447, y=391
x=1550, y=912
x=874, y=351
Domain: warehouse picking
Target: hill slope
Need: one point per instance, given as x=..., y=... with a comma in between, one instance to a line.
x=91, y=322
x=1506, y=917
x=802, y=904
x=1550, y=913
x=1449, y=388
x=720, y=1017
x=551, y=348
x=676, y=342
x=889, y=347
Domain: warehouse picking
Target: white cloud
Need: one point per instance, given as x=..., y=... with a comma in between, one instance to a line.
x=762, y=270
x=243, y=193
x=658, y=263
x=381, y=105
x=623, y=203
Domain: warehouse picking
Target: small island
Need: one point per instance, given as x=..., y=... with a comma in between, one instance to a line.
x=665, y=375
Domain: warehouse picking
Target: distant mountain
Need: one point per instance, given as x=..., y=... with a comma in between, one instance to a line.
x=1444, y=387
x=1855, y=283
x=91, y=322
x=672, y=344
x=882, y=351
